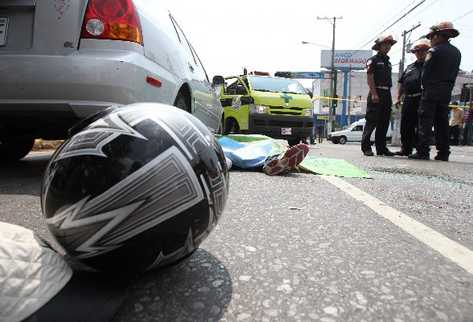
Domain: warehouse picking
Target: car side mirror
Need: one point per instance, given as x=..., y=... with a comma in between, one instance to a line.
x=218, y=81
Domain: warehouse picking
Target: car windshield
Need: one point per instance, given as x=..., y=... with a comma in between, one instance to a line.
x=276, y=85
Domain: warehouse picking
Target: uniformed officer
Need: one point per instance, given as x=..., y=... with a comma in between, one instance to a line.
x=378, y=111
x=410, y=88
x=438, y=79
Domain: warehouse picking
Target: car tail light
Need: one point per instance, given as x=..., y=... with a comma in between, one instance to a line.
x=153, y=81
x=112, y=19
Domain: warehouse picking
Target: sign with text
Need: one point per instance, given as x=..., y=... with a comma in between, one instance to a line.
x=346, y=59
x=301, y=75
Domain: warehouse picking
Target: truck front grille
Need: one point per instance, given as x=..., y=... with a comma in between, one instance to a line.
x=283, y=123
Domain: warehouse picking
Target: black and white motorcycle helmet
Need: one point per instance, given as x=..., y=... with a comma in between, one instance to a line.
x=134, y=188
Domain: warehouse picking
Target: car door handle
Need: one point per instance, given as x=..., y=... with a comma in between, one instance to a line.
x=191, y=68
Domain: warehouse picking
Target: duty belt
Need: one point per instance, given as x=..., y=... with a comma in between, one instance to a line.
x=414, y=95
x=384, y=87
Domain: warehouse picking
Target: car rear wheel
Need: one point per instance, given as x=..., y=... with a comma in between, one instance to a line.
x=342, y=140
x=14, y=149
x=181, y=103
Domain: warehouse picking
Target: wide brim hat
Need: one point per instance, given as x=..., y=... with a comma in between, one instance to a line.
x=445, y=28
x=383, y=40
x=421, y=44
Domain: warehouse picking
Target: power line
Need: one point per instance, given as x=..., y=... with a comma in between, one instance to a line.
x=400, y=11
x=425, y=8
x=463, y=16
x=395, y=22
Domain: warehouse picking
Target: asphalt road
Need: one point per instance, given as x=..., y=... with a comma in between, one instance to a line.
x=298, y=248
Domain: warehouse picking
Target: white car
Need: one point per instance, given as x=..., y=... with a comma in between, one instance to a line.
x=61, y=61
x=354, y=133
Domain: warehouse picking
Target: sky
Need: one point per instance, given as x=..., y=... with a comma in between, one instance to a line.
x=267, y=35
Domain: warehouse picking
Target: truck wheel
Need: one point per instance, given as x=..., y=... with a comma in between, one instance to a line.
x=342, y=140
x=231, y=126
x=14, y=149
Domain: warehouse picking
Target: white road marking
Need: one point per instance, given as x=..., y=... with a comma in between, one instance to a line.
x=452, y=250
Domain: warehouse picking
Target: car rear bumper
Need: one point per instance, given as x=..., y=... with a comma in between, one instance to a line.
x=272, y=125
x=49, y=119
x=40, y=91
x=70, y=78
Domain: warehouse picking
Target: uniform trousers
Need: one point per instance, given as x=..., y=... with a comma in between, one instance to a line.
x=377, y=117
x=433, y=112
x=409, y=122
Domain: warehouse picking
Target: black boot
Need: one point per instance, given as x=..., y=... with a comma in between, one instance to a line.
x=385, y=153
x=441, y=157
x=418, y=156
x=403, y=153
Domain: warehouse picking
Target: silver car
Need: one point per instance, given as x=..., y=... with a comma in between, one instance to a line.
x=62, y=60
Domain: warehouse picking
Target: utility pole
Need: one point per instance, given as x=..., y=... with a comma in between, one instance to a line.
x=333, y=82
x=396, y=137
x=403, y=57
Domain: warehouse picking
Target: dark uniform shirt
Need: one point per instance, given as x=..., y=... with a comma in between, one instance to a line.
x=441, y=66
x=380, y=66
x=411, y=78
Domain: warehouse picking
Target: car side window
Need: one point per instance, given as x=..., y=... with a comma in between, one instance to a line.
x=236, y=88
x=357, y=128
x=183, y=39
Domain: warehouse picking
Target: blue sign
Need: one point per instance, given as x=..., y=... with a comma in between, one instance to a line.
x=301, y=75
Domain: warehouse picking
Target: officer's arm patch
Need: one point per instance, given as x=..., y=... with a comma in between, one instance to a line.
x=369, y=66
x=430, y=54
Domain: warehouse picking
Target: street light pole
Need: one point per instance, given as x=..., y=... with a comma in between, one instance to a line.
x=333, y=82
x=349, y=96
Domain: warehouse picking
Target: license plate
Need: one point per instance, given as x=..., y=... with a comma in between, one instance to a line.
x=3, y=31
x=286, y=131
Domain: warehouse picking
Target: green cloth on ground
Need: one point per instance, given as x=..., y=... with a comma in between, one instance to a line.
x=332, y=167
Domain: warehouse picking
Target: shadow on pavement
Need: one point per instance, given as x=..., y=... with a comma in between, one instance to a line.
x=23, y=177
x=197, y=289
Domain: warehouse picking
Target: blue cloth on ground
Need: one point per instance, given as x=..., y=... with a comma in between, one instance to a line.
x=246, y=155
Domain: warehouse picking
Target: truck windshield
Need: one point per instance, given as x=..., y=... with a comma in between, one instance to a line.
x=276, y=85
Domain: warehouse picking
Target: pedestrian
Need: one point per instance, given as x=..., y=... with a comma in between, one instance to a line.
x=456, y=123
x=438, y=79
x=378, y=111
x=468, y=119
x=410, y=89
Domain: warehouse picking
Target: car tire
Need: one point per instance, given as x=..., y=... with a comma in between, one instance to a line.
x=12, y=150
x=335, y=140
x=342, y=140
x=181, y=103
